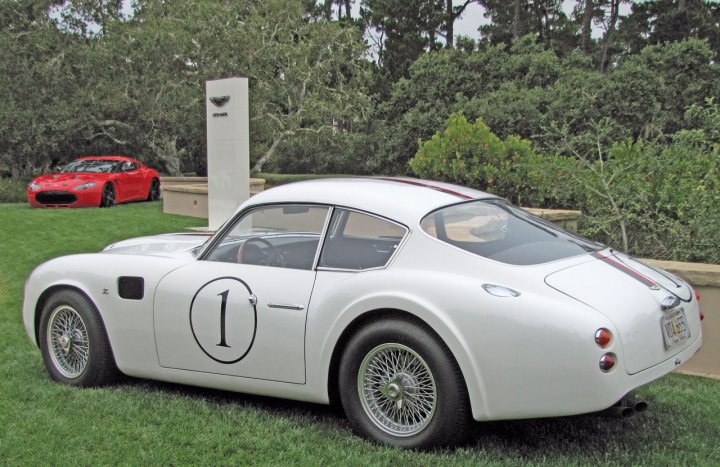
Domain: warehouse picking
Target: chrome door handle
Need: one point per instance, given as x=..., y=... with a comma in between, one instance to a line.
x=286, y=306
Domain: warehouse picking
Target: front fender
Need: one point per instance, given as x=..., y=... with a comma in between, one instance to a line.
x=128, y=322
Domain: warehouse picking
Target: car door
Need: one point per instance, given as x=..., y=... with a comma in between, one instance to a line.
x=240, y=309
x=131, y=181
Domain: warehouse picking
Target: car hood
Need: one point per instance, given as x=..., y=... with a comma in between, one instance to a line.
x=69, y=179
x=170, y=245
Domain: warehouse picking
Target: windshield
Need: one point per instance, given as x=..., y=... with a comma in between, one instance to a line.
x=92, y=165
x=497, y=230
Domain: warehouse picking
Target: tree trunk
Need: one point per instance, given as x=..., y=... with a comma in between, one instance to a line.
x=270, y=152
x=327, y=9
x=347, y=9
x=449, y=25
x=516, y=21
x=587, y=26
x=609, y=35
x=167, y=155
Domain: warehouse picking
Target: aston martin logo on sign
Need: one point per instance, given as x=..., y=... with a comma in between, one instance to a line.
x=219, y=101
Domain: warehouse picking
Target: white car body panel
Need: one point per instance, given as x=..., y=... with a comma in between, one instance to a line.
x=532, y=355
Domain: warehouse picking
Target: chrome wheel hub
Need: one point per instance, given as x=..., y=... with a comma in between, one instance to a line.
x=397, y=389
x=65, y=344
x=68, y=343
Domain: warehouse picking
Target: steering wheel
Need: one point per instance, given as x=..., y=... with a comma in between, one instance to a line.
x=243, y=251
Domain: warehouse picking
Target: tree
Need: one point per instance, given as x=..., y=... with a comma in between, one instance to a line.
x=546, y=19
x=665, y=21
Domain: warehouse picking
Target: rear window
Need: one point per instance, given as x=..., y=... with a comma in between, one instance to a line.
x=497, y=230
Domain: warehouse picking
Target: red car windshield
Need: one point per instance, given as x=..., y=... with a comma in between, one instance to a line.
x=92, y=165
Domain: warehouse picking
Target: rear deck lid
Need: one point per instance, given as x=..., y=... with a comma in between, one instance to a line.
x=629, y=299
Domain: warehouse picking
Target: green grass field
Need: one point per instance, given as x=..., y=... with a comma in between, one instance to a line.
x=143, y=422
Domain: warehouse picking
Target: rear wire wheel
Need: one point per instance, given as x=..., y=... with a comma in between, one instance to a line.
x=73, y=341
x=399, y=385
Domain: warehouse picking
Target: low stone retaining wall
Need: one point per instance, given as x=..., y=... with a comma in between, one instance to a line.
x=566, y=219
x=705, y=278
x=188, y=196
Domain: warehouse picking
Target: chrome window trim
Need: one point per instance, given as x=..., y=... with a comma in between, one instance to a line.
x=323, y=236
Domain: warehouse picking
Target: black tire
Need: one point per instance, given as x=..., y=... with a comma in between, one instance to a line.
x=447, y=422
x=154, y=192
x=107, y=200
x=87, y=337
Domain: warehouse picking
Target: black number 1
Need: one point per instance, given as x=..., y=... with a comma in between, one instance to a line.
x=223, y=305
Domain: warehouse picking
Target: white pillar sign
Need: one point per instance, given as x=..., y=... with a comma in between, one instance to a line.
x=228, y=147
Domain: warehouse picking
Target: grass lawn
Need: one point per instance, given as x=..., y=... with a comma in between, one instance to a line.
x=142, y=422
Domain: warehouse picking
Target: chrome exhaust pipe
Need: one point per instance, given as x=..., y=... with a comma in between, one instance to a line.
x=625, y=407
x=618, y=411
x=640, y=406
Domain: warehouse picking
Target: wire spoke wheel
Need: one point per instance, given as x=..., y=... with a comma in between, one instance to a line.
x=69, y=342
x=397, y=389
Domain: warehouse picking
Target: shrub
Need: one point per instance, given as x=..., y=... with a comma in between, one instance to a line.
x=471, y=154
x=12, y=191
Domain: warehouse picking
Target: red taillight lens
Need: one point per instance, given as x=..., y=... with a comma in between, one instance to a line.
x=702, y=316
x=607, y=362
x=603, y=337
x=697, y=295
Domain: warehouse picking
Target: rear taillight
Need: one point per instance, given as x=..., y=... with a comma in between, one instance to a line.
x=607, y=362
x=697, y=297
x=603, y=337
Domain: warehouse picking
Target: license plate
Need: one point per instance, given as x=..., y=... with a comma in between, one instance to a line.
x=674, y=328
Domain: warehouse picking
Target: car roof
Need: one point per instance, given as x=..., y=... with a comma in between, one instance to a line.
x=406, y=200
x=106, y=158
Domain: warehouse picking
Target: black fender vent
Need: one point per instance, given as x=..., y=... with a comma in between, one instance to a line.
x=131, y=288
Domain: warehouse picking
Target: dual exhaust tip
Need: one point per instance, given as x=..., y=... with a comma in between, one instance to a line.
x=625, y=408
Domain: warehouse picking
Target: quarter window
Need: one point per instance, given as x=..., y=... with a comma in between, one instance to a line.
x=359, y=241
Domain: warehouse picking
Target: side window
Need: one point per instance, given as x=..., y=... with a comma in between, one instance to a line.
x=278, y=236
x=359, y=241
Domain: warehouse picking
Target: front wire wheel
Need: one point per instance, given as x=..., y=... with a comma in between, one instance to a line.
x=400, y=385
x=73, y=341
x=68, y=341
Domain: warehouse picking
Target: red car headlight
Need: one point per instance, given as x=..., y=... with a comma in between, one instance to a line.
x=85, y=186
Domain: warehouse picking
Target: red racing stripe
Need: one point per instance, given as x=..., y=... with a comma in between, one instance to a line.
x=621, y=267
x=426, y=185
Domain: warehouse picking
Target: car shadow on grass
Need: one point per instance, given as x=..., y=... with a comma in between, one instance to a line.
x=587, y=436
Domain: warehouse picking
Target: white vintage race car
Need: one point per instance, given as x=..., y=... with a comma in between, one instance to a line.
x=417, y=305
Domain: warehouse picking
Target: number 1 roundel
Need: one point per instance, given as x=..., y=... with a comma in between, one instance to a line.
x=223, y=319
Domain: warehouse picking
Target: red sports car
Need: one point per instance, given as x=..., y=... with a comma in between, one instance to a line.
x=95, y=181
